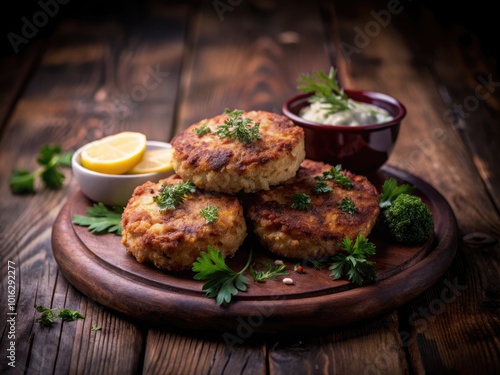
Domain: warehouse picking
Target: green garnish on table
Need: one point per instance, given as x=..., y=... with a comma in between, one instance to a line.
x=50, y=159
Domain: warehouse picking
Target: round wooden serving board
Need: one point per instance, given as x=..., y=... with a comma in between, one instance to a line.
x=99, y=267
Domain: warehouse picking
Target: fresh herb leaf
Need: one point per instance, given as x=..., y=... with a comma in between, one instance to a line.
x=237, y=127
x=101, y=219
x=347, y=205
x=49, y=316
x=337, y=176
x=267, y=270
x=319, y=263
x=222, y=282
x=68, y=315
x=50, y=158
x=202, y=130
x=321, y=187
x=96, y=328
x=354, y=264
x=326, y=90
x=22, y=181
x=209, y=213
x=169, y=196
x=391, y=190
x=300, y=201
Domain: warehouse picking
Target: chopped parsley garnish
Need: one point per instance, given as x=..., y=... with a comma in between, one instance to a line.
x=267, y=270
x=354, y=264
x=209, y=213
x=49, y=316
x=222, y=282
x=202, y=130
x=101, y=219
x=237, y=127
x=337, y=176
x=321, y=187
x=391, y=190
x=347, y=205
x=300, y=201
x=326, y=90
x=170, y=196
x=50, y=159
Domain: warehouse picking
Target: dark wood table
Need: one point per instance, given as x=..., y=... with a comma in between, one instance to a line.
x=72, y=72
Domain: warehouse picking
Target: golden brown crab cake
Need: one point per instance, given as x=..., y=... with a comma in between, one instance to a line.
x=230, y=166
x=173, y=239
x=316, y=231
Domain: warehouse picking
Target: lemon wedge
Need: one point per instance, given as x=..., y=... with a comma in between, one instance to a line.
x=114, y=154
x=159, y=160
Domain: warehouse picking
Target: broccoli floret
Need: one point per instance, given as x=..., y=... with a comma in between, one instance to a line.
x=409, y=220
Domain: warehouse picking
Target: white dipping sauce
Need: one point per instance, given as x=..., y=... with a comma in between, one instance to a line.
x=358, y=114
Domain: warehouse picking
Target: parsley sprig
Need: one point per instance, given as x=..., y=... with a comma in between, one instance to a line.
x=300, y=201
x=354, y=264
x=321, y=186
x=170, y=196
x=22, y=181
x=101, y=219
x=391, y=190
x=267, y=270
x=237, y=127
x=347, y=205
x=202, y=130
x=210, y=214
x=326, y=90
x=337, y=176
x=49, y=316
x=222, y=283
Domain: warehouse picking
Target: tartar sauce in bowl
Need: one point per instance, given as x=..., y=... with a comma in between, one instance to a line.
x=358, y=114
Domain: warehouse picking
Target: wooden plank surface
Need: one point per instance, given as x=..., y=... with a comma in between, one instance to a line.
x=95, y=79
x=91, y=81
x=438, y=145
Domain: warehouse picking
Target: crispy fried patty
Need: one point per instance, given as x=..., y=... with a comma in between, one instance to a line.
x=229, y=166
x=173, y=239
x=315, y=232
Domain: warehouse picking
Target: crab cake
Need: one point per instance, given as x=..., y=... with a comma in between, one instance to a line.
x=313, y=231
x=173, y=239
x=205, y=154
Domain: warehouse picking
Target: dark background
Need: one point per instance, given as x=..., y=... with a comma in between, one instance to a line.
x=477, y=17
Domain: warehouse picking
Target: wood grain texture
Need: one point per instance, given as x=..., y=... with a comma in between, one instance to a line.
x=97, y=53
x=438, y=146
x=207, y=355
x=340, y=352
x=79, y=92
x=254, y=68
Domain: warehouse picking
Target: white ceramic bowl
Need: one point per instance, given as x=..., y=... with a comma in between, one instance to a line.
x=113, y=190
